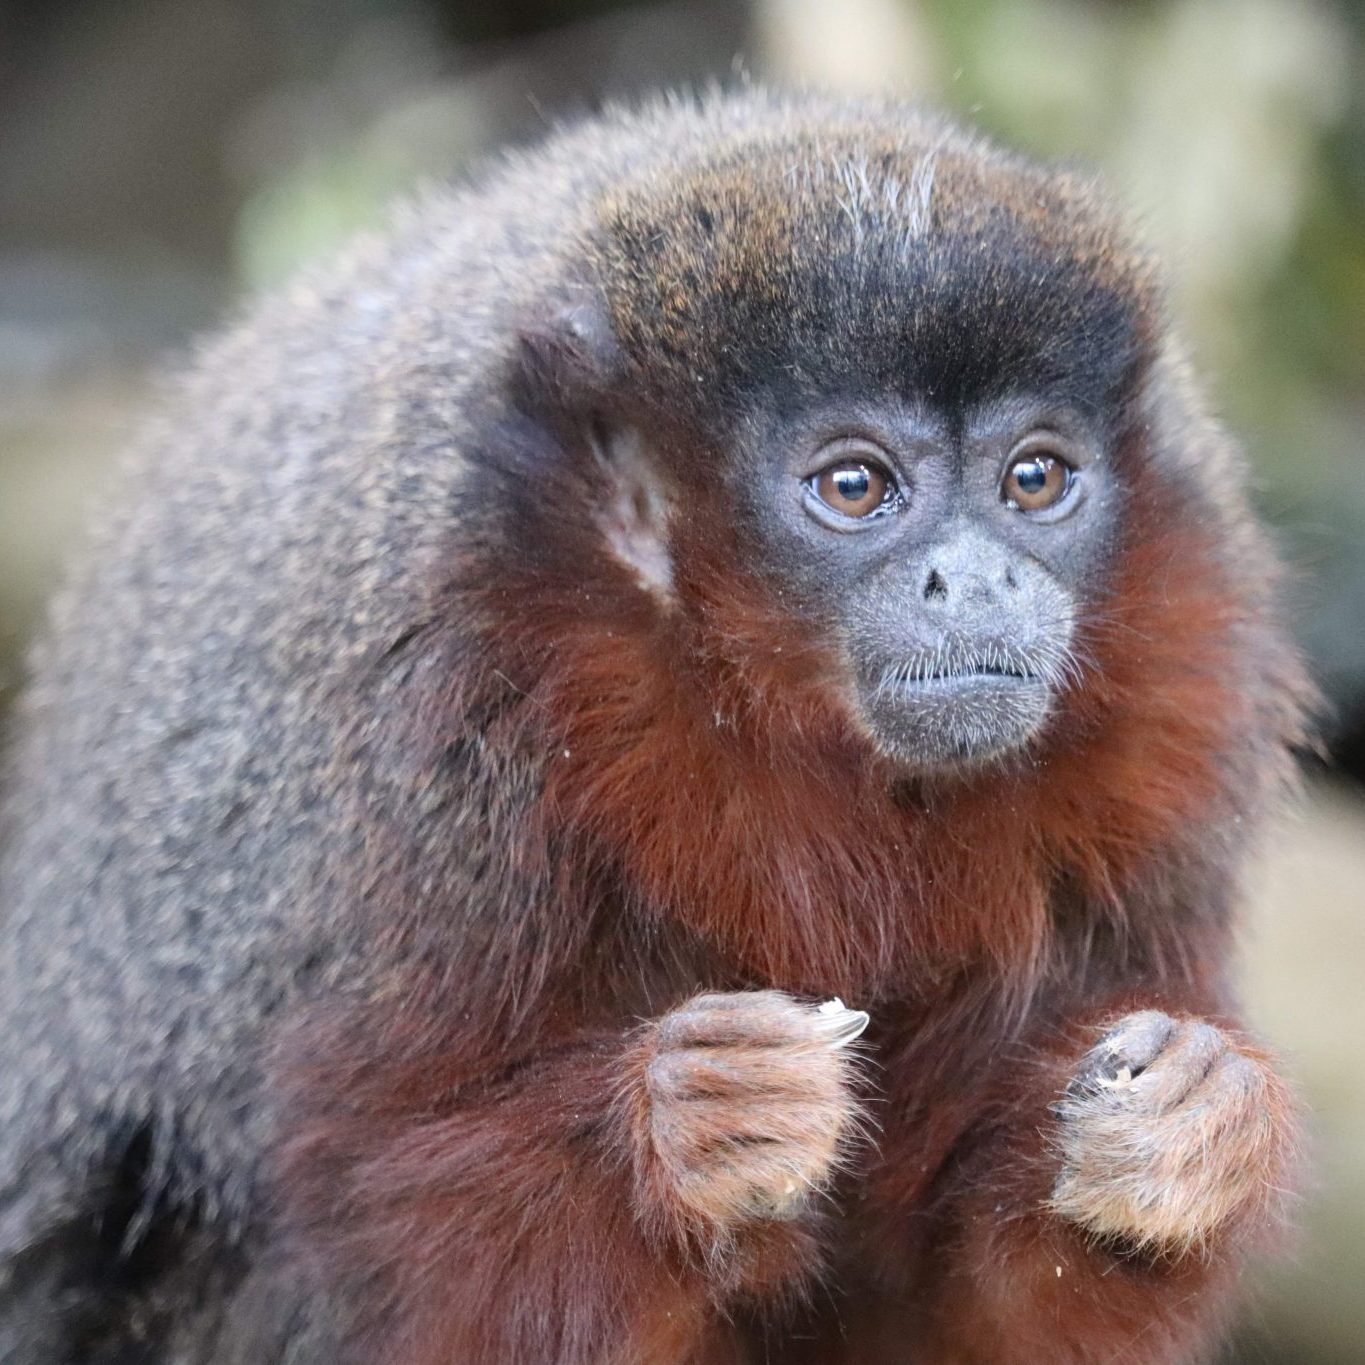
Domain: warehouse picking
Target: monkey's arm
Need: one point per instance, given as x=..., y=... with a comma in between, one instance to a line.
x=602, y=1201
x=1127, y=1165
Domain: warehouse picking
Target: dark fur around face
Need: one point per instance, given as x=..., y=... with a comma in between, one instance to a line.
x=450, y=706
x=807, y=263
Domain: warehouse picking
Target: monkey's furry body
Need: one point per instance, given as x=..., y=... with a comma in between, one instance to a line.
x=487, y=731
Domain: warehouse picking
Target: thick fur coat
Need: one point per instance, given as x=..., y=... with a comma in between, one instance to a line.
x=367, y=805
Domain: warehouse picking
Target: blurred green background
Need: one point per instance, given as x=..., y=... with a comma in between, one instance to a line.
x=160, y=158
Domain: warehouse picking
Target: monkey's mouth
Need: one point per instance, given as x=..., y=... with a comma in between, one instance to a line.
x=951, y=678
x=937, y=712
x=956, y=667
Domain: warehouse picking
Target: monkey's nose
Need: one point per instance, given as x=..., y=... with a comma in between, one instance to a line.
x=971, y=567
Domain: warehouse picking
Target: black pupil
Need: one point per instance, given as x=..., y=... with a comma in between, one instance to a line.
x=1031, y=476
x=853, y=483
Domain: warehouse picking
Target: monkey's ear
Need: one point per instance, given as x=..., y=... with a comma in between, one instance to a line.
x=570, y=358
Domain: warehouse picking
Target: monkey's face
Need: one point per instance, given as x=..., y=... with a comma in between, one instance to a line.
x=949, y=560
x=908, y=416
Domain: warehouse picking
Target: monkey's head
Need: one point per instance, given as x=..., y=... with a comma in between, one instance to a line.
x=900, y=386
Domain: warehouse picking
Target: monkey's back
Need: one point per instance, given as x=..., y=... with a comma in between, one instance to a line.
x=175, y=788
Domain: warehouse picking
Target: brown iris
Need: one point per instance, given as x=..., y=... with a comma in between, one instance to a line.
x=1035, y=481
x=853, y=488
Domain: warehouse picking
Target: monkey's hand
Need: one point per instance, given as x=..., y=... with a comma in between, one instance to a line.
x=744, y=1102
x=1170, y=1131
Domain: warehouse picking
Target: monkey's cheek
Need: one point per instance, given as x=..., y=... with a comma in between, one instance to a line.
x=953, y=722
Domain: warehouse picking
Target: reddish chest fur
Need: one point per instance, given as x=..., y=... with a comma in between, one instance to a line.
x=712, y=760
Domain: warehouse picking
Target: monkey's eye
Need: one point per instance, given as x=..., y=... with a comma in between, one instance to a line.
x=1036, y=480
x=854, y=488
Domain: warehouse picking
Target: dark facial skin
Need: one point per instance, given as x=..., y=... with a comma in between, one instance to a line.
x=951, y=558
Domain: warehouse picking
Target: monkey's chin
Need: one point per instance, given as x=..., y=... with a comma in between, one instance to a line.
x=957, y=721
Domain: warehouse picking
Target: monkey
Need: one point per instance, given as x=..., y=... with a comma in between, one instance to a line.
x=655, y=766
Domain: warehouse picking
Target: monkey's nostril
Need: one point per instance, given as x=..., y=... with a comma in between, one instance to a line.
x=935, y=586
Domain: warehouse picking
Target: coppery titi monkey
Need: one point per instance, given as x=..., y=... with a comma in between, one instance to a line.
x=749, y=555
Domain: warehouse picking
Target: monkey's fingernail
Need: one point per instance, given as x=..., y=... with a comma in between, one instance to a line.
x=1123, y=1076
x=840, y=1024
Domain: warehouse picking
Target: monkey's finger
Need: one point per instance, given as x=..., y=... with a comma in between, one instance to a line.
x=753, y=1017
x=747, y=1074
x=1124, y=1052
x=1189, y=1055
